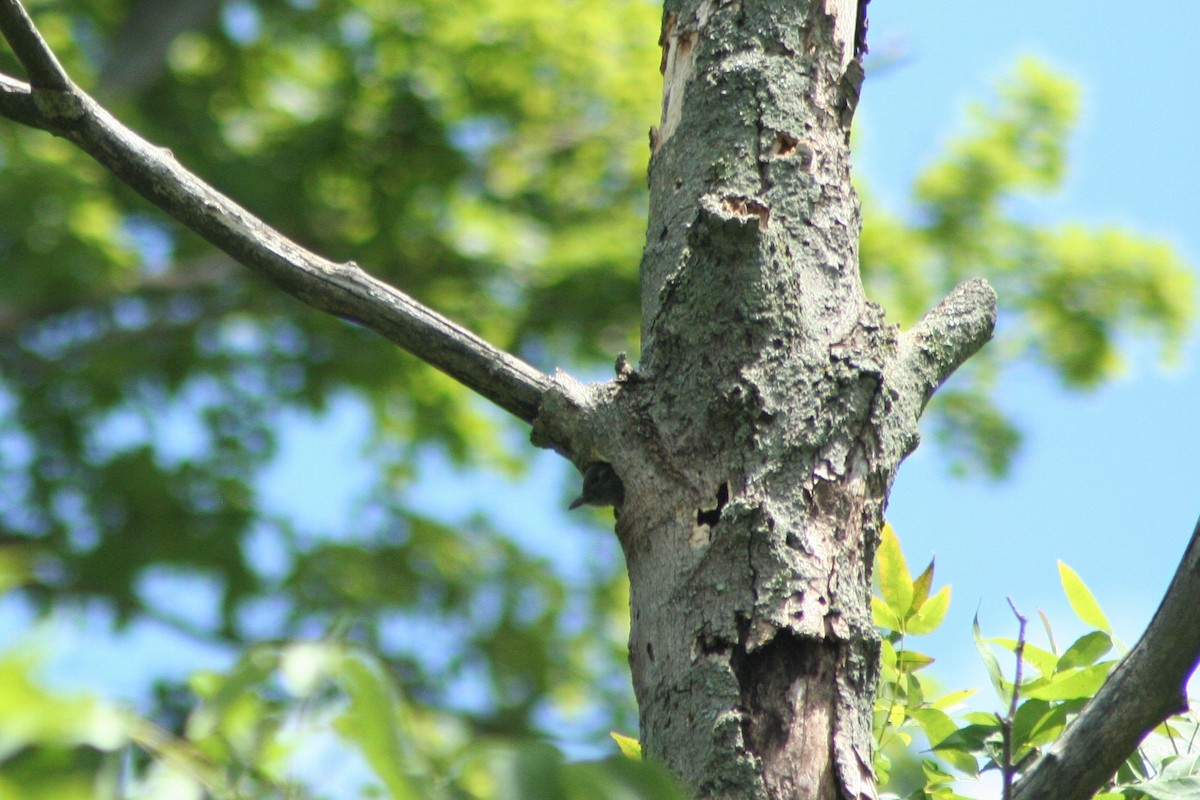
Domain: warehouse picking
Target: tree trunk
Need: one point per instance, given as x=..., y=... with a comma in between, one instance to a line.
x=752, y=647
x=758, y=443
x=759, y=440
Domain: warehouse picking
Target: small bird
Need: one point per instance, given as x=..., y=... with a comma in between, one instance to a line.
x=601, y=486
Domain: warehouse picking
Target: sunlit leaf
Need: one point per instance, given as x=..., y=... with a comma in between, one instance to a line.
x=1049, y=631
x=883, y=615
x=922, y=585
x=1180, y=788
x=629, y=746
x=1082, y=602
x=937, y=724
x=895, y=582
x=911, y=661
x=953, y=699
x=1071, y=684
x=989, y=662
x=1085, y=650
x=930, y=615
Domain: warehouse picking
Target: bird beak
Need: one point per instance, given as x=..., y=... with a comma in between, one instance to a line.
x=578, y=502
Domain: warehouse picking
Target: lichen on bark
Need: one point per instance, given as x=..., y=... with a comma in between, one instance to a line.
x=760, y=435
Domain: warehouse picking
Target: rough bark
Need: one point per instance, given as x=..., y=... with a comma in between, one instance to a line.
x=754, y=451
x=759, y=440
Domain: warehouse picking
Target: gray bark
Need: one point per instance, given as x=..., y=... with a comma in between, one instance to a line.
x=756, y=446
x=759, y=439
x=752, y=454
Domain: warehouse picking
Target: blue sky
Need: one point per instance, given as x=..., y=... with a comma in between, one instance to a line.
x=1109, y=482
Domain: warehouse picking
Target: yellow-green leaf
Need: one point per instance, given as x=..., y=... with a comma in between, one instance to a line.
x=911, y=661
x=952, y=699
x=895, y=582
x=930, y=615
x=921, y=587
x=629, y=747
x=371, y=721
x=1080, y=597
x=884, y=616
x=1071, y=685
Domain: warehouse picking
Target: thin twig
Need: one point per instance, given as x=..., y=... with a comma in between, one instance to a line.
x=1007, y=769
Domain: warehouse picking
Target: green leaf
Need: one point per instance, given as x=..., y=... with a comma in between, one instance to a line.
x=953, y=698
x=1049, y=631
x=629, y=747
x=1183, y=788
x=1050, y=726
x=914, y=694
x=618, y=779
x=983, y=718
x=1086, y=650
x=1082, y=602
x=883, y=616
x=1037, y=723
x=1072, y=684
x=372, y=722
x=889, y=662
x=895, y=582
x=1043, y=661
x=1031, y=655
x=990, y=662
x=934, y=774
x=971, y=737
x=532, y=770
x=937, y=725
x=31, y=715
x=921, y=586
x=930, y=615
x=911, y=660
x=883, y=767
x=16, y=566
x=960, y=746
x=221, y=693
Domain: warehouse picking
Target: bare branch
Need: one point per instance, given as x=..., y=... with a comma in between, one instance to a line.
x=16, y=102
x=947, y=336
x=1147, y=687
x=928, y=353
x=1007, y=770
x=344, y=289
x=31, y=49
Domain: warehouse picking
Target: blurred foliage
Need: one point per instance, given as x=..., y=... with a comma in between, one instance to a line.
x=302, y=720
x=1070, y=296
x=488, y=158
x=929, y=743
